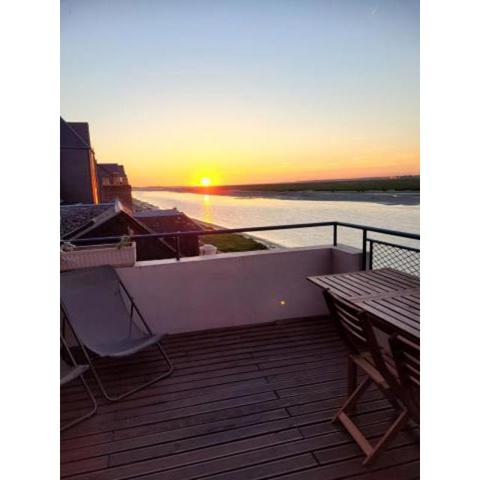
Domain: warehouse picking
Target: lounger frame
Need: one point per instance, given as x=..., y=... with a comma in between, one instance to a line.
x=90, y=358
x=85, y=385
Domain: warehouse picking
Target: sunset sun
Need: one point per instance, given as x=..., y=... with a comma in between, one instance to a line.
x=205, y=182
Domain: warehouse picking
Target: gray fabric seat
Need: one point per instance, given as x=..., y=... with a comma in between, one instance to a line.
x=105, y=318
x=125, y=347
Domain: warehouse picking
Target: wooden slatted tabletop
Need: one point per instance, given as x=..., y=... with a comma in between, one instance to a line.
x=392, y=297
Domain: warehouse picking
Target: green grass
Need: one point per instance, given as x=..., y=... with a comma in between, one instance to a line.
x=231, y=242
x=383, y=184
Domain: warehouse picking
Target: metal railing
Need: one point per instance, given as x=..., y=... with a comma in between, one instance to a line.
x=400, y=257
x=369, y=245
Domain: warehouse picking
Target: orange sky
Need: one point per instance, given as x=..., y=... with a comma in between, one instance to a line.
x=245, y=92
x=236, y=149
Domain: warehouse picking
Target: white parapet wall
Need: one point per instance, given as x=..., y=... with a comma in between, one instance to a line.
x=225, y=290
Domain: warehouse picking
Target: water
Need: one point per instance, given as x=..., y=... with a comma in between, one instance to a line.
x=237, y=212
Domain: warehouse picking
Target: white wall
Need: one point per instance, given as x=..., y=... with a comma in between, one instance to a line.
x=198, y=293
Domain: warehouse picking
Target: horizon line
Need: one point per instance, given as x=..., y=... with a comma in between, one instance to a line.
x=286, y=182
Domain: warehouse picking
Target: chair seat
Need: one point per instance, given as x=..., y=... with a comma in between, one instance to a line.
x=124, y=347
x=367, y=364
x=69, y=373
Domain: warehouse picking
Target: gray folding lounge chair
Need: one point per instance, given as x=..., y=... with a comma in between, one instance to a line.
x=69, y=373
x=97, y=312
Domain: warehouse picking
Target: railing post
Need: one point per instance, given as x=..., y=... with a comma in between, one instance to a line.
x=370, y=260
x=364, y=249
x=334, y=234
x=177, y=247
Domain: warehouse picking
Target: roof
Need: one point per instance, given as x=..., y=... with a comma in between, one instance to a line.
x=74, y=134
x=77, y=217
x=82, y=130
x=76, y=221
x=170, y=220
x=104, y=169
x=158, y=213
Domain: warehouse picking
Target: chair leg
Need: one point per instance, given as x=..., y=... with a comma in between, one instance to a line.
x=370, y=451
x=115, y=398
x=87, y=415
x=352, y=376
x=399, y=423
x=353, y=398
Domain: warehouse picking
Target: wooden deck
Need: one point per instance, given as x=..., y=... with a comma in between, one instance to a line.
x=243, y=404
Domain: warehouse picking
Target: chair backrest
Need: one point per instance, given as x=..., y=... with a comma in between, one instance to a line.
x=95, y=308
x=356, y=330
x=351, y=322
x=406, y=355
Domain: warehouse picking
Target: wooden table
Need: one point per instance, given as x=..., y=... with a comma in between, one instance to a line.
x=391, y=297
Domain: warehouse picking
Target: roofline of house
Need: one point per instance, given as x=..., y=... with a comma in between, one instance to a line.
x=105, y=216
x=86, y=204
x=86, y=146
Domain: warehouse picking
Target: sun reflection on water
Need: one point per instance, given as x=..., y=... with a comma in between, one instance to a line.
x=207, y=209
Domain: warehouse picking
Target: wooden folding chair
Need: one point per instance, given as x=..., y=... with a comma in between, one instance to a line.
x=406, y=355
x=366, y=355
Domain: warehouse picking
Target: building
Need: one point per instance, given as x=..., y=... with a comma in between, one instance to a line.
x=78, y=168
x=82, y=179
x=83, y=221
x=97, y=201
x=164, y=221
x=113, y=182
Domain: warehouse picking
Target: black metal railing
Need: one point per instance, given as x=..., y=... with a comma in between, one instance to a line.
x=400, y=257
x=371, y=258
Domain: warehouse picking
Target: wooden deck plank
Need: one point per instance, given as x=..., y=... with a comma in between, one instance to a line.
x=272, y=375
x=230, y=419
x=406, y=471
x=239, y=433
x=267, y=470
x=249, y=402
x=194, y=426
x=124, y=374
x=310, y=373
x=156, y=391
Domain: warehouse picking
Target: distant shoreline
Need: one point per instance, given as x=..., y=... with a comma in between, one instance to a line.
x=387, y=198
x=404, y=190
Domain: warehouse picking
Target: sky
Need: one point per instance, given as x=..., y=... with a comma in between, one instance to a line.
x=245, y=91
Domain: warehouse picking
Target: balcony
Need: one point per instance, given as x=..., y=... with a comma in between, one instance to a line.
x=259, y=372
x=244, y=402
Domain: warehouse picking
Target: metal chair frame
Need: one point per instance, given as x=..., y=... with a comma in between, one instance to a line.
x=85, y=385
x=88, y=357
